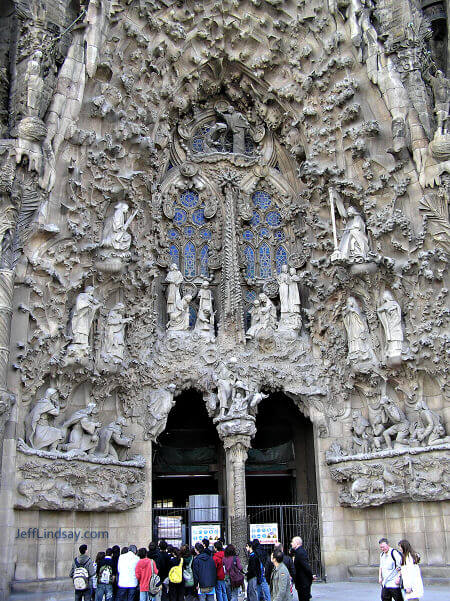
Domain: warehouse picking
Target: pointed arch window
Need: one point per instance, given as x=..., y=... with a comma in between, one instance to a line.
x=189, y=260
x=265, y=268
x=249, y=254
x=204, y=261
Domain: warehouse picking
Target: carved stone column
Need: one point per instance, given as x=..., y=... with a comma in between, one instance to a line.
x=6, y=294
x=236, y=451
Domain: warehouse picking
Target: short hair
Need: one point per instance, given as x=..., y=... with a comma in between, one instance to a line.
x=162, y=545
x=142, y=553
x=82, y=549
x=218, y=545
x=297, y=539
x=124, y=550
x=230, y=551
x=152, y=546
x=255, y=542
x=133, y=549
x=205, y=543
x=278, y=555
x=108, y=551
x=383, y=540
x=199, y=547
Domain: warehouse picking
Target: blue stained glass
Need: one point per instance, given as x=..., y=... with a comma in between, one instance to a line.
x=204, y=261
x=262, y=200
x=255, y=219
x=248, y=320
x=192, y=317
x=249, y=254
x=173, y=234
x=264, y=232
x=247, y=235
x=273, y=218
x=279, y=235
x=250, y=296
x=189, y=199
x=189, y=260
x=205, y=234
x=174, y=255
x=188, y=231
x=180, y=216
x=197, y=145
x=265, y=269
x=198, y=217
x=280, y=258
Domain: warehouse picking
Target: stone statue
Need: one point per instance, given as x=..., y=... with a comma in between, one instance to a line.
x=110, y=437
x=240, y=398
x=429, y=429
x=441, y=91
x=39, y=433
x=225, y=385
x=205, y=317
x=86, y=306
x=361, y=432
x=395, y=422
x=390, y=316
x=82, y=431
x=267, y=312
x=114, y=335
x=354, y=246
x=174, y=278
x=115, y=233
x=289, y=299
x=179, y=318
x=255, y=323
x=359, y=343
x=238, y=125
x=35, y=84
x=158, y=408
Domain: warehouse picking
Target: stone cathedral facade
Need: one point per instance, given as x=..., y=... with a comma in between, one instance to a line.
x=238, y=200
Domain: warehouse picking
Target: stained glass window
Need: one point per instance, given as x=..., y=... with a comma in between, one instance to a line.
x=189, y=199
x=265, y=268
x=247, y=235
x=279, y=235
x=204, y=260
x=250, y=296
x=250, y=260
x=174, y=255
x=173, y=234
x=192, y=316
x=262, y=200
x=189, y=260
x=180, y=216
x=206, y=234
x=255, y=219
x=264, y=232
x=189, y=231
x=280, y=258
x=198, y=217
x=273, y=218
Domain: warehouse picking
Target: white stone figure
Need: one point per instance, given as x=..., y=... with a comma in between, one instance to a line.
x=158, y=407
x=115, y=233
x=268, y=312
x=240, y=399
x=179, y=318
x=114, y=335
x=395, y=423
x=354, y=244
x=283, y=280
x=289, y=299
x=441, y=91
x=39, y=433
x=205, y=316
x=359, y=343
x=86, y=306
x=110, y=437
x=238, y=125
x=390, y=316
x=225, y=385
x=361, y=432
x=174, y=278
x=255, y=323
x=429, y=429
x=82, y=430
x=35, y=84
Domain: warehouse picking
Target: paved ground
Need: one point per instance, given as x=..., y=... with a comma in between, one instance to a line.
x=336, y=591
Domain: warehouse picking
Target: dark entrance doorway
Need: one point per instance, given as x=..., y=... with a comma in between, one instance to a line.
x=188, y=459
x=281, y=467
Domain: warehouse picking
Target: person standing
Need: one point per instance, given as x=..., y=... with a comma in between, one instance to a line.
x=253, y=573
x=205, y=573
x=105, y=577
x=144, y=570
x=82, y=573
x=287, y=560
x=126, y=568
x=410, y=571
x=303, y=572
x=389, y=572
x=263, y=585
x=234, y=576
x=280, y=579
x=221, y=589
x=188, y=575
x=176, y=581
x=164, y=567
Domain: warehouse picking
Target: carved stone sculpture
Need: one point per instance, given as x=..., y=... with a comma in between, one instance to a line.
x=390, y=316
x=255, y=323
x=441, y=91
x=40, y=431
x=179, y=317
x=238, y=125
x=114, y=335
x=395, y=423
x=86, y=306
x=354, y=245
x=112, y=442
x=268, y=313
x=174, y=278
x=158, y=408
x=116, y=240
x=289, y=299
x=81, y=431
x=360, y=351
x=204, y=324
x=35, y=84
x=429, y=429
x=361, y=433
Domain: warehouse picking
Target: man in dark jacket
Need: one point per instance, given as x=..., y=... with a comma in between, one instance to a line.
x=287, y=560
x=205, y=573
x=303, y=572
x=155, y=554
x=253, y=573
x=163, y=569
x=105, y=577
x=83, y=561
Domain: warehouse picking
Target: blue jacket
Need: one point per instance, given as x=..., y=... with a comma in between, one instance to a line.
x=204, y=570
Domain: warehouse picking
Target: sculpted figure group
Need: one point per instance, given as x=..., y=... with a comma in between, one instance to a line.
x=81, y=433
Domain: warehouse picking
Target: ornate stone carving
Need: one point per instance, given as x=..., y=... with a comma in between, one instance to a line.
x=112, y=442
x=40, y=431
x=204, y=324
x=86, y=306
x=360, y=351
x=289, y=299
x=116, y=240
x=390, y=316
x=113, y=348
x=81, y=431
x=158, y=408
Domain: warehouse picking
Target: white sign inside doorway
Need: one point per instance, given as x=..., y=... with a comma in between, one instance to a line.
x=267, y=534
x=201, y=531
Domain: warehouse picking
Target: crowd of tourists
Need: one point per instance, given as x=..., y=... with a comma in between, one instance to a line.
x=163, y=572
x=204, y=572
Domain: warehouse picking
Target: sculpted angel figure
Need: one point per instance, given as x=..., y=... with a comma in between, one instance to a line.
x=115, y=233
x=39, y=431
x=358, y=337
x=354, y=243
x=390, y=316
x=238, y=125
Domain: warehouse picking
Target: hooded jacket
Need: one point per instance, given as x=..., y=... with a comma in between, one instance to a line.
x=204, y=570
x=218, y=560
x=86, y=562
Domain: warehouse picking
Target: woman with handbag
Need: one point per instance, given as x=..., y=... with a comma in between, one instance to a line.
x=410, y=572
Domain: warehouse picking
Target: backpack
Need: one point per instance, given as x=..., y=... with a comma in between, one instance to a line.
x=154, y=585
x=235, y=574
x=105, y=574
x=188, y=575
x=80, y=577
x=176, y=573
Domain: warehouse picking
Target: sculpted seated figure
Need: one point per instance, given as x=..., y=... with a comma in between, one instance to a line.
x=110, y=437
x=82, y=431
x=39, y=431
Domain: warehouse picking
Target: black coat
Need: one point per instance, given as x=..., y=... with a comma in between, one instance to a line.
x=155, y=554
x=204, y=570
x=254, y=567
x=164, y=565
x=303, y=572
